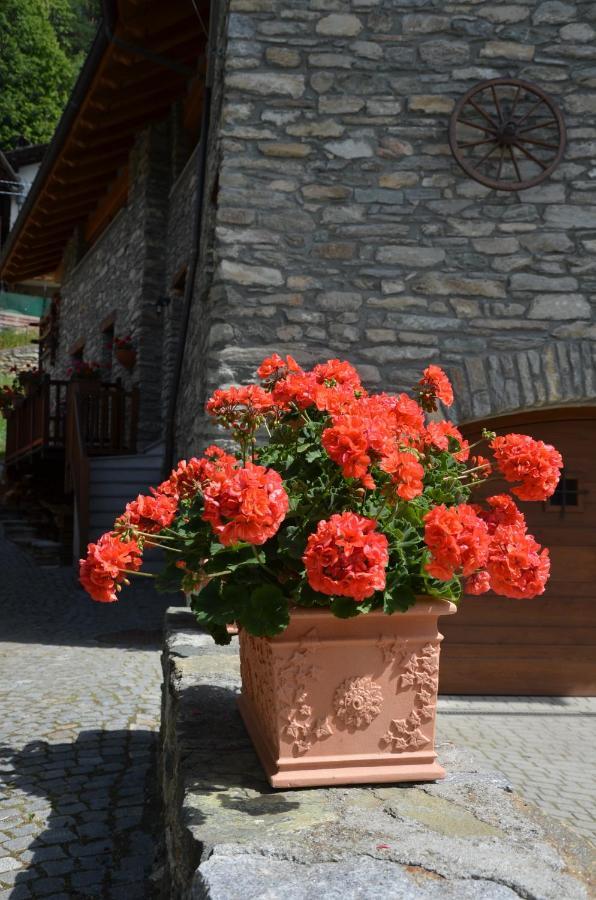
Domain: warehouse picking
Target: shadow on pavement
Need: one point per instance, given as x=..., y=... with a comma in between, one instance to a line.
x=95, y=828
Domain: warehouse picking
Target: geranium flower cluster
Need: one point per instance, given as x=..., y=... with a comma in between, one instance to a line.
x=354, y=501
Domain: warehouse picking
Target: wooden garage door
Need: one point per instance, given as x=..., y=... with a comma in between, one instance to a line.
x=545, y=646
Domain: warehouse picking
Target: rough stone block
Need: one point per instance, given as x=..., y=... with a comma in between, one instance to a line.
x=338, y=25
x=496, y=245
x=414, y=257
x=433, y=283
x=283, y=56
x=560, y=306
x=526, y=281
x=553, y=12
x=249, y=275
x=508, y=50
x=398, y=179
x=288, y=151
x=267, y=83
x=431, y=103
x=442, y=53
x=350, y=149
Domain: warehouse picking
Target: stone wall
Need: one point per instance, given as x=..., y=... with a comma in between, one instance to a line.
x=229, y=836
x=19, y=357
x=179, y=249
x=123, y=273
x=345, y=227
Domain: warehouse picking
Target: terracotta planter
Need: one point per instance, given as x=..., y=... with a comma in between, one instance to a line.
x=345, y=701
x=126, y=358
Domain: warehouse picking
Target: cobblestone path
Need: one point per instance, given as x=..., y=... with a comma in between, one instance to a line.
x=79, y=713
x=544, y=746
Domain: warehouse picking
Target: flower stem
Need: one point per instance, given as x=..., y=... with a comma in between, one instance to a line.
x=142, y=574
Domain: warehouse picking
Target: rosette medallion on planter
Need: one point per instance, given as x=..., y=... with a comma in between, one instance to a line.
x=345, y=701
x=335, y=544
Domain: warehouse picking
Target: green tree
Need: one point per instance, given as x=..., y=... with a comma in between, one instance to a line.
x=75, y=23
x=42, y=44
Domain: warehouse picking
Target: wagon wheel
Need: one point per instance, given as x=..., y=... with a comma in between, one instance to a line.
x=507, y=134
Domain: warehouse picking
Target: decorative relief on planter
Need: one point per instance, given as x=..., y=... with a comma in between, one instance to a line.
x=345, y=701
x=420, y=673
x=256, y=669
x=358, y=701
x=295, y=710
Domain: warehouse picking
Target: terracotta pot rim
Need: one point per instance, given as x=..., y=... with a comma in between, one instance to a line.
x=423, y=605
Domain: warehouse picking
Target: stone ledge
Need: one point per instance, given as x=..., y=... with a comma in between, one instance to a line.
x=229, y=836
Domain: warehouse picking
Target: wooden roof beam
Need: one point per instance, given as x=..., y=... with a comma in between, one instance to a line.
x=143, y=107
x=90, y=171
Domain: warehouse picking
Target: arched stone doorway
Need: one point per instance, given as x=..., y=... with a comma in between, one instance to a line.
x=545, y=646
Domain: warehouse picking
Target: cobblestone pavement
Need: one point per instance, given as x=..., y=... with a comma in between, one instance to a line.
x=79, y=709
x=79, y=712
x=544, y=746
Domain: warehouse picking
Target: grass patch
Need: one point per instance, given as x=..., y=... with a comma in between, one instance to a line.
x=4, y=379
x=10, y=338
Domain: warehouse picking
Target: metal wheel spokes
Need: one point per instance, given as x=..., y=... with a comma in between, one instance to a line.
x=507, y=134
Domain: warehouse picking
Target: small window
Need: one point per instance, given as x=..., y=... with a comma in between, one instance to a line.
x=566, y=493
x=567, y=496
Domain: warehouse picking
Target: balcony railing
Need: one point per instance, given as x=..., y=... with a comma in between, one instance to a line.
x=39, y=424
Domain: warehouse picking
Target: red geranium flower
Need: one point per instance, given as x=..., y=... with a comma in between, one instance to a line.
x=274, y=367
x=346, y=557
x=534, y=464
x=331, y=386
x=407, y=473
x=245, y=504
x=517, y=566
x=478, y=583
x=105, y=566
x=187, y=480
x=238, y=407
x=347, y=445
x=458, y=540
x=148, y=514
x=503, y=511
x=434, y=385
x=438, y=434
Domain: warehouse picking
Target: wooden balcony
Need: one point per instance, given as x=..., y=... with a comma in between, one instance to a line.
x=69, y=422
x=39, y=425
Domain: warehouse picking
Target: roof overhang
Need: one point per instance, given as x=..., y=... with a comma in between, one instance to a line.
x=141, y=61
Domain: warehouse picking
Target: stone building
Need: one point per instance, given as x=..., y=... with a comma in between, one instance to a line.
x=323, y=214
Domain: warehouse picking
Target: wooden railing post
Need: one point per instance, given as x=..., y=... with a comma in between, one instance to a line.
x=77, y=464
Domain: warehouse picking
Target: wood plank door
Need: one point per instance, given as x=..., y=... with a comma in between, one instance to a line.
x=545, y=646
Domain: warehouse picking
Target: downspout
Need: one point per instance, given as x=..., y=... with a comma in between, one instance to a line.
x=170, y=424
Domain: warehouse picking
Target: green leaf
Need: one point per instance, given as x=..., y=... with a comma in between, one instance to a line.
x=219, y=633
x=265, y=611
x=305, y=596
x=345, y=607
x=212, y=605
x=313, y=455
x=399, y=598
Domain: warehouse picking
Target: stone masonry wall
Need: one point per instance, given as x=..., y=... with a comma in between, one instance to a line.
x=123, y=272
x=179, y=249
x=345, y=227
x=229, y=836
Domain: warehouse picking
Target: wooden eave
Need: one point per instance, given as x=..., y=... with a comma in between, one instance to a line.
x=126, y=92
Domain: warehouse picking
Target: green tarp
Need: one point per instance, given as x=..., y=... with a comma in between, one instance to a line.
x=24, y=304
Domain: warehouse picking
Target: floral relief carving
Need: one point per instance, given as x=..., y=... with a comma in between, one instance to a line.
x=256, y=664
x=295, y=711
x=420, y=674
x=357, y=701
